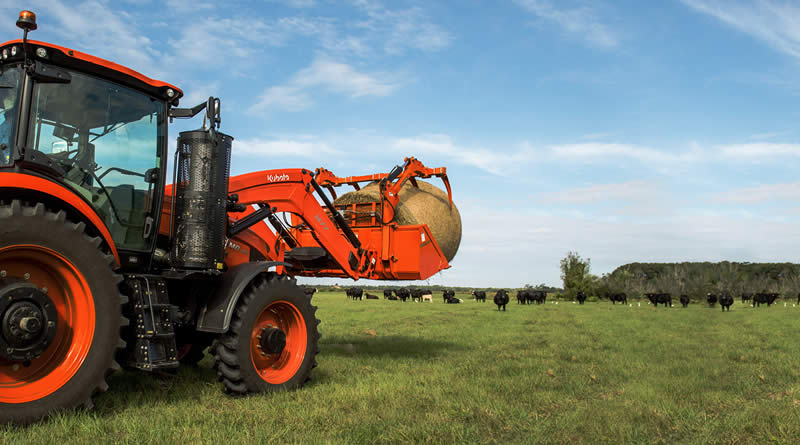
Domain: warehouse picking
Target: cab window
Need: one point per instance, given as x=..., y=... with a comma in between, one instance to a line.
x=106, y=138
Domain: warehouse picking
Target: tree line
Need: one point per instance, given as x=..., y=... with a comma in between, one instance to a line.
x=695, y=279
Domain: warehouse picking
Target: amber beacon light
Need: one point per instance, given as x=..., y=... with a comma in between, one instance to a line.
x=27, y=20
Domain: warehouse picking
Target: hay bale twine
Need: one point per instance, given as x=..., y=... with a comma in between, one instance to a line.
x=427, y=204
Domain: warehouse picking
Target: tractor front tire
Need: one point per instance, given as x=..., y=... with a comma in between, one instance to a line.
x=41, y=249
x=272, y=341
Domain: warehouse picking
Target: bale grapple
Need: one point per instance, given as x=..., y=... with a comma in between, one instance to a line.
x=104, y=265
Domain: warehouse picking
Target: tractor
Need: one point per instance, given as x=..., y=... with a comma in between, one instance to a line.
x=107, y=261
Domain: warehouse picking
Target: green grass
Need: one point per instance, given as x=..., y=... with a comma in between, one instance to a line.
x=460, y=374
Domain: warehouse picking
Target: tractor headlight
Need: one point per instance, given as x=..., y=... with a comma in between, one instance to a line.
x=170, y=93
x=5, y=54
x=13, y=51
x=41, y=52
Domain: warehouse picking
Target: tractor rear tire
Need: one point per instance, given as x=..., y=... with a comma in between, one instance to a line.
x=42, y=247
x=272, y=341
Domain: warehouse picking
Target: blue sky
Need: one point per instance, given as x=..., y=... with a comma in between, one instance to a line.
x=624, y=130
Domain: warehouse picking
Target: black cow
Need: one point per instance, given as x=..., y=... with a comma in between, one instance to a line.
x=372, y=297
x=479, y=295
x=392, y=298
x=660, y=298
x=711, y=299
x=387, y=294
x=523, y=297
x=684, y=300
x=539, y=296
x=416, y=294
x=622, y=297
x=764, y=298
x=501, y=299
x=726, y=300
x=746, y=298
x=581, y=297
x=447, y=294
x=403, y=294
x=356, y=293
x=453, y=300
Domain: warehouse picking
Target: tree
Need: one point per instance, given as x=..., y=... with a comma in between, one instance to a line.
x=575, y=274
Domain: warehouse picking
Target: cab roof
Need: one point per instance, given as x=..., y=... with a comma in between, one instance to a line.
x=69, y=58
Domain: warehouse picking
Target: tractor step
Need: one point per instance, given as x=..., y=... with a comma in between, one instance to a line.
x=152, y=321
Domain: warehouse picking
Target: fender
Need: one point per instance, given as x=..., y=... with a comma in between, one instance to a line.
x=216, y=316
x=34, y=183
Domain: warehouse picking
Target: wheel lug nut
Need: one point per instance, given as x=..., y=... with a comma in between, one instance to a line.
x=27, y=276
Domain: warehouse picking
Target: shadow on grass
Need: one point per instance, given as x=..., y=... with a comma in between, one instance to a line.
x=140, y=391
x=396, y=346
x=134, y=388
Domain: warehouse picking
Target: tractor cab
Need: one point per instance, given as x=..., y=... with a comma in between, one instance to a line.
x=91, y=126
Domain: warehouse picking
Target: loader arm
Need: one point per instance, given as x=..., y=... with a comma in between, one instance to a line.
x=391, y=183
x=292, y=191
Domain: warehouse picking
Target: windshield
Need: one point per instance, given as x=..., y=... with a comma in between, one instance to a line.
x=9, y=88
x=106, y=138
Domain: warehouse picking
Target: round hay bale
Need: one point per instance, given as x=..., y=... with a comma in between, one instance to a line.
x=427, y=204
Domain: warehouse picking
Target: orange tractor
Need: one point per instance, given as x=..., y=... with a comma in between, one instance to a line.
x=104, y=265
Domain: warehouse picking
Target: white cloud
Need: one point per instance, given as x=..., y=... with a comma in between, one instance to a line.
x=300, y=3
x=402, y=29
x=770, y=135
x=344, y=79
x=581, y=21
x=759, y=194
x=184, y=6
x=93, y=27
x=328, y=75
x=199, y=93
x=283, y=97
x=776, y=23
x=224, y=39
x=281, y=147
x=442, y=146
x=626, y=191
x=759, y=151
x=591, y=152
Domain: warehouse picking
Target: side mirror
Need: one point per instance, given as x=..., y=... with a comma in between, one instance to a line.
x=213, y=112
x=152, y=175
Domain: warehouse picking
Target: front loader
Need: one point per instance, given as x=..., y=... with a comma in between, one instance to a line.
x=105, y=264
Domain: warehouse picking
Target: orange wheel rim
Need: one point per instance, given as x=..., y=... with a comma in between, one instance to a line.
x=280, y=367
x=70, y=293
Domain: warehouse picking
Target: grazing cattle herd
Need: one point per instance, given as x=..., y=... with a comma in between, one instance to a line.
x=530, y=296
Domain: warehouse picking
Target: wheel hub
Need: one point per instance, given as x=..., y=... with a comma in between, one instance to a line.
x=28, y=320
x=273, y=340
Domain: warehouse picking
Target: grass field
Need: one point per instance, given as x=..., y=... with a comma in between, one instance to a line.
x=460, y=374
